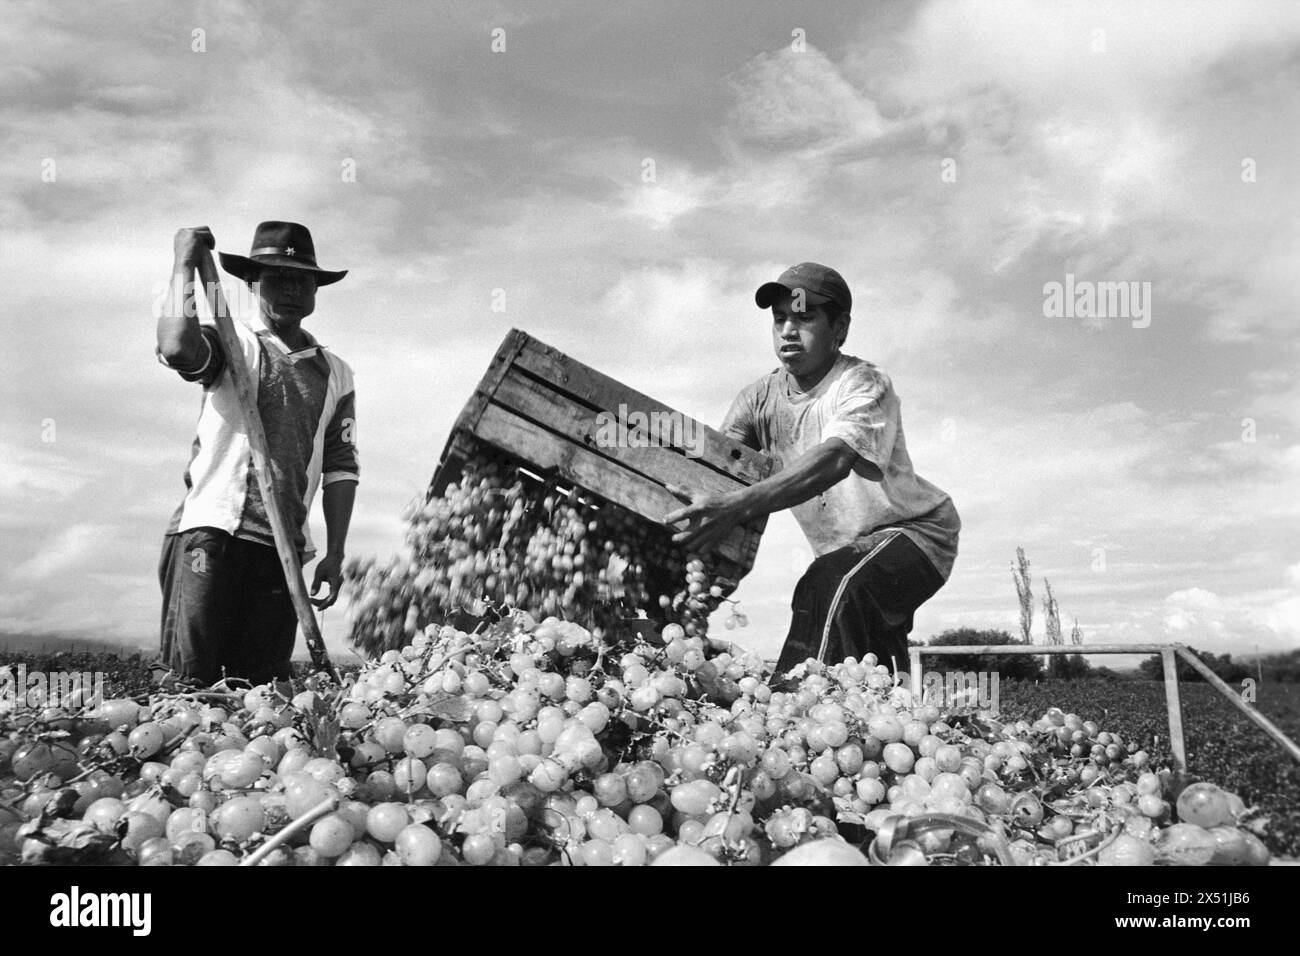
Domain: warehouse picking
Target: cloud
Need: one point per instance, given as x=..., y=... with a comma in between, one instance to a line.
x=523, y=172
x=68, y=550
x=1083, y=118
x=1098, y=56
x=663, y=203
x=801, y=100
x=1201, y=617
x=38, y=472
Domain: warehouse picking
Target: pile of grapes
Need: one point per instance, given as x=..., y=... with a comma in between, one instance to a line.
x=502, y=537
x=528, y=742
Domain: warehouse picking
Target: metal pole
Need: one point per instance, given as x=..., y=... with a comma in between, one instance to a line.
x=1173, y=703
x=1047, y=650
x=1219, y=684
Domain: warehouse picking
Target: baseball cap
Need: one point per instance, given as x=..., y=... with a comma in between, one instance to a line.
x=820, y=283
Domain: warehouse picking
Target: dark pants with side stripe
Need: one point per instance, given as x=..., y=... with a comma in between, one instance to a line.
x=226, y=608
x=859, y=600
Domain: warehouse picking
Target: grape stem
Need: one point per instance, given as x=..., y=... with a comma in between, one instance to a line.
x=162, y=751
x=304, y=821
x=10, y=806
x=739, y=773
x=204, y=695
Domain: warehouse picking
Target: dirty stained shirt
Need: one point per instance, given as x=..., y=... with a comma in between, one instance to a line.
x=856, y=403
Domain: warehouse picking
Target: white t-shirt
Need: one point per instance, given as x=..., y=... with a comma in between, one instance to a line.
x=856, y=403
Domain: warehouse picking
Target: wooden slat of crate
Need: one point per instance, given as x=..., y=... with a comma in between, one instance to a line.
x=601, y=391
x=535, y=401
x=572, y=462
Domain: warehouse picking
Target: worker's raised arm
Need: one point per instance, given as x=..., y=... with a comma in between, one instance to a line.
x=181, y=344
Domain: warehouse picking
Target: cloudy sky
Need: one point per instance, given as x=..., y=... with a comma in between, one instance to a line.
x=951, y=159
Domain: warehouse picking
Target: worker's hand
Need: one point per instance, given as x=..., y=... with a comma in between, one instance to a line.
x=329, y=570
x=190, y=244
x=709, y=518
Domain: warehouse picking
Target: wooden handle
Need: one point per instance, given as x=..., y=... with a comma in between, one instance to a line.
x=284, y=542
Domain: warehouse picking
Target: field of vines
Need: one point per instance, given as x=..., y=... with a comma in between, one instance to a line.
x=1222, y=745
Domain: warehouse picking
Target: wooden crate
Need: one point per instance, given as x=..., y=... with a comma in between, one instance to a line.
x=540, y=406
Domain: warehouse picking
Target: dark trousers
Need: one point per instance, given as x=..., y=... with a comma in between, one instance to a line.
x=226, y=609
x=859, y=600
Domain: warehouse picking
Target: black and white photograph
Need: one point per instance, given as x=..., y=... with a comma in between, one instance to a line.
x=656, y=433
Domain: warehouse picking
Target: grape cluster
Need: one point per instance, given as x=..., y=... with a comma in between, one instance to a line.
x=500, y=538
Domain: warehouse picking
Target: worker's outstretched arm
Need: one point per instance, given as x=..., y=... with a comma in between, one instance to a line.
x=712, y=516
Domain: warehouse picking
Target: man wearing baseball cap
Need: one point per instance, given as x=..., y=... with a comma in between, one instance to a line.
x=885, y=538
x=226, y=606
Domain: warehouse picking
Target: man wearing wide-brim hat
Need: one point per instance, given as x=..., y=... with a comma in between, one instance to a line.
x=885, y=538
x=226, y=608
